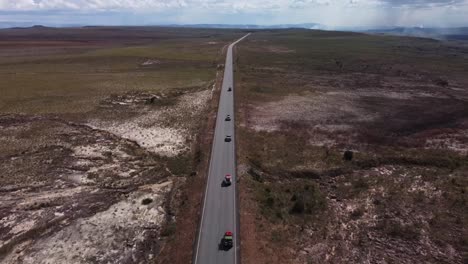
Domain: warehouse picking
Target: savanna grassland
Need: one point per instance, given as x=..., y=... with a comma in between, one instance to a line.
x=101, y=131
x=353, y=148
x=53, y=70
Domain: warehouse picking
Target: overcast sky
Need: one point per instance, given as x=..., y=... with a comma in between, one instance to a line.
x=332, y=13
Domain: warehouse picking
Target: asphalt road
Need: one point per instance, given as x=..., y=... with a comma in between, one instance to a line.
x=219, y=213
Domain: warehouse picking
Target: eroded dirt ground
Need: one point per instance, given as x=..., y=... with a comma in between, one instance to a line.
x=400, y=106
x=97, y=191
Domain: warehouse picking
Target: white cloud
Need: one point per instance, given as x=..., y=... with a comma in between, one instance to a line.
x=241, y=5
x=330, y=12
x=34, y=5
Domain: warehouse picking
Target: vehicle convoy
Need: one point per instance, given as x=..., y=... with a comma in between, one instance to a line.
x=226, y=241
x=227, y=180
x=219, y=209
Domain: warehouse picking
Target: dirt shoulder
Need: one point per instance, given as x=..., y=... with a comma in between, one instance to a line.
x=190, y=196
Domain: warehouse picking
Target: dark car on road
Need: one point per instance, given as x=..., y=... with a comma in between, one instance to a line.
x=227, y=180
x=227, y=139
x=229, y=89
x=228, y=118
x=226, y=241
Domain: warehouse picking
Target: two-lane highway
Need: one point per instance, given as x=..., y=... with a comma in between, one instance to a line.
x=219, y=213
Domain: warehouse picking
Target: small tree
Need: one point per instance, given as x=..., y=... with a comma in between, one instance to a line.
x=146, y=201
x=298, y=207
x=348, y=155
x=441, y=82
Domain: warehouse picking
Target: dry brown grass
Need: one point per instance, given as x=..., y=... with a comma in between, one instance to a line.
x=381, y=97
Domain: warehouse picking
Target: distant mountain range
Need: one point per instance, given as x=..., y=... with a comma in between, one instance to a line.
x=241, y=26
x=4, y=24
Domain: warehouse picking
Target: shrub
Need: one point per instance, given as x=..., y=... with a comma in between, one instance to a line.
x=180, y=165
x=360, y=184
x=146, y=201
x=276, y=236
x=394, y=228
x=315, y=200
x=151, y=100
x=441, y=82
x=255, y=175
x=357, y=213
x=293, y=198
x=270, y=201
x=298, y=207
x=168, y=229
x=279, y=214
x=348, y=155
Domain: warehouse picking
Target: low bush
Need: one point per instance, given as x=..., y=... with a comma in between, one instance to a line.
x=298, y=206
x=348, y=155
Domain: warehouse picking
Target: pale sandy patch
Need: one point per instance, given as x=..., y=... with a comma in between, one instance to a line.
x=154, y=132
x=318, y=109
x=78, y=243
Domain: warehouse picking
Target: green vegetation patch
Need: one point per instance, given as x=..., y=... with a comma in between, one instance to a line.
x=291, y=199
x=75, y=79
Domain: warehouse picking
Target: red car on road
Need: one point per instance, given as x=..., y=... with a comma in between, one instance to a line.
x=226, y=241
x=227, y=180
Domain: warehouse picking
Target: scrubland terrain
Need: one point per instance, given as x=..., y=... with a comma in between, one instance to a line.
x=398, y=105
x=100, y=131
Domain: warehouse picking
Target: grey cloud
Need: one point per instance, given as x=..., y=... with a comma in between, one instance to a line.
x=423, y=2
